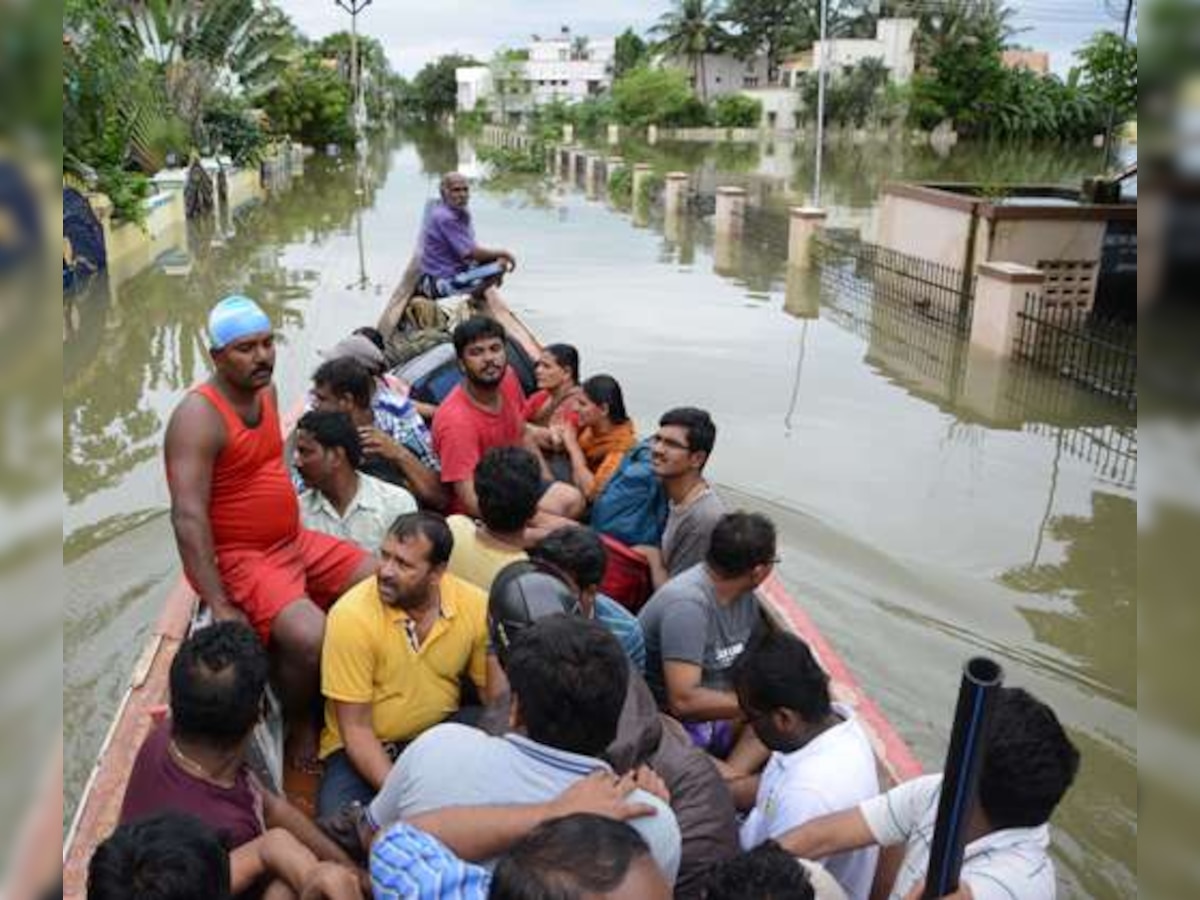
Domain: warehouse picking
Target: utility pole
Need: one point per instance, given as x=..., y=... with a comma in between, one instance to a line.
x=816, y=197
x=354, y=7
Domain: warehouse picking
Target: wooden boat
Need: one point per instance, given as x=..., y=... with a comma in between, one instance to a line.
x=146, y=698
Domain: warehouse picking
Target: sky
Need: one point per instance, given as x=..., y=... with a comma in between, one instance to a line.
x=413, y=33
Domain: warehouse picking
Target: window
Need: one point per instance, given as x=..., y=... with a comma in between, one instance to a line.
x=750, y=81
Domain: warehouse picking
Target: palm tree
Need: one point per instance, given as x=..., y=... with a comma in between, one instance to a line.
x=690, y=30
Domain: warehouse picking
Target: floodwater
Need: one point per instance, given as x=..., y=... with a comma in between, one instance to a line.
x=922, y=520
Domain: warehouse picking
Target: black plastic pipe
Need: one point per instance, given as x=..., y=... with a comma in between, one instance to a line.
x=981, y=679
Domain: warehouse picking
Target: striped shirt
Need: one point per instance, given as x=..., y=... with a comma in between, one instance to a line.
x=397, y=417
x=1010, y=864
x=624, y=626
x=408, y=864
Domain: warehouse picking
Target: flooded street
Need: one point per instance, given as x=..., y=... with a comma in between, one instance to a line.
x=922, y=519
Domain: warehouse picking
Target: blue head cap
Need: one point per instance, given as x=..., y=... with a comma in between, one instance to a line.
x=234, y=318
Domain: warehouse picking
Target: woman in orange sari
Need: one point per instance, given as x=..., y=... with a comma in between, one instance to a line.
x=603, y=437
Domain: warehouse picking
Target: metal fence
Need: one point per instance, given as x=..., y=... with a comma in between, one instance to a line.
x=1073, y=343
x=1111, y=449
x=940, y=295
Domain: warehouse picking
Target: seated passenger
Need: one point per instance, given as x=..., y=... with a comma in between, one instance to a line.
x=569, y=679
x=523, y=594
x=681, y=449
x=486, y=410
x=770, y=873
x=393, y=395
x=553, y=403
x=577, y=857
x=452, y=262
x=821, y=761
x=604, y=435
x=508, y=485
x=176, y=854
x=338, y=499
x=699, y=623
x=394, y=455
x=237, y=521
x=579, y=555
x=397, y=649
x=1028, y=765
x=196, y=763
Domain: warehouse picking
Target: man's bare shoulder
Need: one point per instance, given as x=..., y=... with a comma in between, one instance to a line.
x=194, y=423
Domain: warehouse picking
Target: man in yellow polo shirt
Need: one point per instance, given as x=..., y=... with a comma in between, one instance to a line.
x=397, y=649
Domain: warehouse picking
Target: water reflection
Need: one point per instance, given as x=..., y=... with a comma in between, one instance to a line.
x=939, y=502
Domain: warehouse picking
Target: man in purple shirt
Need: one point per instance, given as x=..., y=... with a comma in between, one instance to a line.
x=451, y=260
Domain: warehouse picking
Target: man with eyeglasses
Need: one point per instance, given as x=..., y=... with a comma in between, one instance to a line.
x=698, y=625
x=680, y=450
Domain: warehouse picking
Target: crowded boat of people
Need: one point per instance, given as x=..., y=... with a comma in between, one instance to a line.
x=518, y=648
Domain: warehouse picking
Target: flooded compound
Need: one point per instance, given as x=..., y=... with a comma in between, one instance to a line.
x=931, y=504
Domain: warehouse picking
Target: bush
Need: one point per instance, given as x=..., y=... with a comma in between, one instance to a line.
x=657, y=96
x=737, y=111
x=126, y=190
x=508, y=161
x=312, y=104
x=620, y=185
x=233, y=129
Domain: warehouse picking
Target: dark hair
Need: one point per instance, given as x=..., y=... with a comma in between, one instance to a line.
x=701, y=432
x=569, y=676
x=778, y=671
x=429, y=525
x=577, y=551
x=170, y=856
x=332, y=430
x=565, y=858
x=374, y=335
x=346, y=375
x=567, y=357
x=603, y=390
x=508, y=485
x=768, y=872
x=474, y=329
x=218, y=678
x=1028, y=764
x=740, y=541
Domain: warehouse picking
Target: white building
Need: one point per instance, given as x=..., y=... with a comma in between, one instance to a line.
x=892, y=45
x=563, y=69
x=723, y=73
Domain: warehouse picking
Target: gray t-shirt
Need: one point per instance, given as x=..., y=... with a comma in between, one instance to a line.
x=454, y=765
x=689, y=529
x=684, y=622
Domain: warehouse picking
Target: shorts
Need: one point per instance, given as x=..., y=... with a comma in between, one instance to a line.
x=262, y=583
x=469, y=282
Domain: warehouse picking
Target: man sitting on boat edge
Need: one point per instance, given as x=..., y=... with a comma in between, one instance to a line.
x=452, y=261
x=236, y=516
x=1029, y=764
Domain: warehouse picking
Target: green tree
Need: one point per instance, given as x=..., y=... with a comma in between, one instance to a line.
x=435, y=87
x=659, y=96
x=737, y=111
x=1109, y=73
x=312, y=104
x=688, y=31
x=629, y=51
x=378, y=80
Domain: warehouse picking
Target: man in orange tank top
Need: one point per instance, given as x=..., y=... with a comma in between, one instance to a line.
x=237, y=519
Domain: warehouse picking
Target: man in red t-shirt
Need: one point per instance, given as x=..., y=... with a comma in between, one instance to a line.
x=486, y=410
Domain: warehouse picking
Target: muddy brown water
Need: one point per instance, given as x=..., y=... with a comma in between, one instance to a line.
x=921, y=520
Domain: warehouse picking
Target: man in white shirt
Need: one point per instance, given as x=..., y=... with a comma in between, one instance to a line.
x=338, y=499
x=1029, y=764
x=821, y=760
